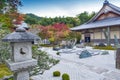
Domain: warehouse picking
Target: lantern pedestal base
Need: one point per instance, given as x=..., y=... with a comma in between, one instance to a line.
x=23, y=75
x=21, y=66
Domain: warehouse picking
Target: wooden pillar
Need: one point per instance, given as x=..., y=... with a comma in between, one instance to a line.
x=108, y=31
x=119, y=33
x=93, y=35
x=101, y=34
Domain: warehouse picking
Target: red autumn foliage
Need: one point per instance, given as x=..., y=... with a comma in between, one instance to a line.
x=60, y=27
x=17, y=18
x=56, y=31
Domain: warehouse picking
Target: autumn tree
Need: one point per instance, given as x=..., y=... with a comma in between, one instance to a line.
x=54, y=33
x=16, y=17
x=61, y=30
x=8, y=12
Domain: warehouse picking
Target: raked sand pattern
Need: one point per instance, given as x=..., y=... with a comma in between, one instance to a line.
x=99, y=67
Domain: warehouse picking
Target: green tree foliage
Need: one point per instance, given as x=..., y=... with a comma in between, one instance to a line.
x=9, y=5
x=44, y=21
x=4, y=47
x=73, y=35
x=85, y=16
x=92, y=14
x=32, y=19
x=5, y=21
x=45, y=62
x=8, y=12
x=69, y=21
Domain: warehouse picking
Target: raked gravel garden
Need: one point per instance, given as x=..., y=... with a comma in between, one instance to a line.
x=96, y=67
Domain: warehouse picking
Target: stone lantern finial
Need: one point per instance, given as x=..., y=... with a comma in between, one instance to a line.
x=20, y=29
x=24, y=25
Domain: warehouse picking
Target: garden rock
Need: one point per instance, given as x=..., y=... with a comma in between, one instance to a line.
x=101, y=45
x=56, y=48
x=85, y=54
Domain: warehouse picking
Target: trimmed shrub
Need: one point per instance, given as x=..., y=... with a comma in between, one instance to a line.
x=57, y=53
x=65, y=76
x=56, y=74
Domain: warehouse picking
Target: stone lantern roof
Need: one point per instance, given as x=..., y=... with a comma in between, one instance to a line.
x=21, y=35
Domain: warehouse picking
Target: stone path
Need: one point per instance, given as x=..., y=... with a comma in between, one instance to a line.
x=78, y=70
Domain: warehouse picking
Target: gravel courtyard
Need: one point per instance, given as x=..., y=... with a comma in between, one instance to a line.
x=98, y=67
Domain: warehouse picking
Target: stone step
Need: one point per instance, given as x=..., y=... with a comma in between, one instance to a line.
x=112, y=76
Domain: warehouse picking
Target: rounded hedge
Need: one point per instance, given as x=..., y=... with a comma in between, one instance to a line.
x=57, y=53
x=56, y=73
x=65, y=77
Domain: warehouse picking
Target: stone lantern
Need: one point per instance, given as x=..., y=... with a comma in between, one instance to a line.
x=21, y=55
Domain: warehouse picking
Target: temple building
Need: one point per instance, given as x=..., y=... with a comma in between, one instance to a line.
x=108, y=18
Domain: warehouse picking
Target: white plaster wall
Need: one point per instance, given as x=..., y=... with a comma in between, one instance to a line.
x=114, y=33
x=103, y=36
x=92, y=36
x=82, y=36
x=97, y=35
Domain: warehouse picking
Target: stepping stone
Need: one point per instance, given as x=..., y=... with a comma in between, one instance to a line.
x=99, y=70
x=89, y=67
x=113, y=75
x=108, y=79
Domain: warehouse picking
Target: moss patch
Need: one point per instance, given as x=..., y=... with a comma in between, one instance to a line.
x=105, y=48
x=46, y=45
x=4, y=71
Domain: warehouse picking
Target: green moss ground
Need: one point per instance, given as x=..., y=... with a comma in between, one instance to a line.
x=105, y=48
x=4, y=71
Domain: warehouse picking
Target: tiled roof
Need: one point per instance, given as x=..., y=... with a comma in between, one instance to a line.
x=99, y=24
x=114, y=7
x=93, y=23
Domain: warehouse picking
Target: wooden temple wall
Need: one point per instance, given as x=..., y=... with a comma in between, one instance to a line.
x=97, y=35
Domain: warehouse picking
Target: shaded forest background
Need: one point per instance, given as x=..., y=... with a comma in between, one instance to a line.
x=57, y=28
x=69, y=21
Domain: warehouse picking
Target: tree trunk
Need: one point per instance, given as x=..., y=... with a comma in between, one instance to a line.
x=118, y=58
